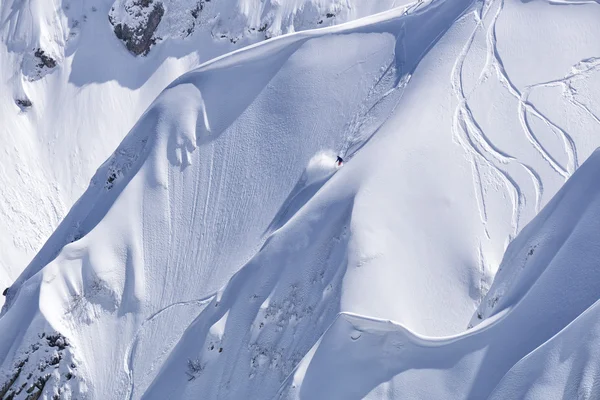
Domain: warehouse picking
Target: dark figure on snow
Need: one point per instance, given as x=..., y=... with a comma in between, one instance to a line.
x=339, y=161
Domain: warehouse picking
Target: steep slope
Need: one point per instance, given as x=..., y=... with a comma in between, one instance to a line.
x=546, y=280
x=163, y=195
x=550, y=276
x=565, y=367
x=219, y=242
x=70, y=91
x=176, y=209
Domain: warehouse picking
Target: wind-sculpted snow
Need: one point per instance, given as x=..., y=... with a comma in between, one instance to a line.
x=204, y=171
x=70, y=91
x=530, y=301
x=565, y=367
x=170, y=186
x=231, y=258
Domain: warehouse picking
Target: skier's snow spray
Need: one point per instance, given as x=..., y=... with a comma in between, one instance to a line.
x=320, y=166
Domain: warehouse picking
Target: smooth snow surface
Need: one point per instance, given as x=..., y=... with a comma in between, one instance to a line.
x=220, y=253
x=531, y=302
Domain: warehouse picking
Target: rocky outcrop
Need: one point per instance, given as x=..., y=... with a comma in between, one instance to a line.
x=140, y=24
x=45, y=61
x=46, y=369
x=37, y=63
x=138, y=35
x=23, y=104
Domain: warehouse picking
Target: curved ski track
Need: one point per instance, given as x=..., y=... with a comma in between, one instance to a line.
x=131, y=349
x=481, y=149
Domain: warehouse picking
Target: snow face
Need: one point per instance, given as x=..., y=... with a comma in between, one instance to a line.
x=232, y=259
x=71, y=91
x=470, y=365
x=564, y=367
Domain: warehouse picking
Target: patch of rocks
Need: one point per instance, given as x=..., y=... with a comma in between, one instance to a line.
x=137, y=31
x=46, y=369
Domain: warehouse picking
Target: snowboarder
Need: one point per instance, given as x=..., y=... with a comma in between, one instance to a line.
x=339, y=162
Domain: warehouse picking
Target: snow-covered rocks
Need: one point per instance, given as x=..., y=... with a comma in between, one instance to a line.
x=46, y=368
x=70, y=91
x=38, y=63
x=138, y=30
x=140, y=24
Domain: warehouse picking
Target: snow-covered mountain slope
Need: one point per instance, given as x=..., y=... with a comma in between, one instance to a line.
x=548, y=277
x=70, y=91
x=192, y=207
x=220, y=243
x=565, y=367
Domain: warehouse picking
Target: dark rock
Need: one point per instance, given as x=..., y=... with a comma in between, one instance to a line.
x=55, y=359
x=57, y=340
x=140, y=39
x=45, y=61
x=196, y=11
x=23, y=103
x=7, y=385
x=5, y=292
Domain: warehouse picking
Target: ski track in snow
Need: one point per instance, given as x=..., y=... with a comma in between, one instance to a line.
x=377, y=95
x=131, y=349
x=525, y=106
x=482, y=153
x=356, y=139
x=481, y=150
x=471, y=137
x=578, y=72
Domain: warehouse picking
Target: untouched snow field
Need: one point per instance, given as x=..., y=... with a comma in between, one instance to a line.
x=220, y=253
